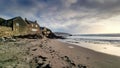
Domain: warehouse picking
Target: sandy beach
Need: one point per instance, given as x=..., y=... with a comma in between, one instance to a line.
x=51, y=53
x=90, y=58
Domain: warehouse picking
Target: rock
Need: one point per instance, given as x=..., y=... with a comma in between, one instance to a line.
x=2, y=39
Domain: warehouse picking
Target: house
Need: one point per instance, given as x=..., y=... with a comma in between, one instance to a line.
x=1, y=21
x=20, y=26
x=33, y=27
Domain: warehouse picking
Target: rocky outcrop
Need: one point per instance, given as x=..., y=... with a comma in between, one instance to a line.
x=49, y=34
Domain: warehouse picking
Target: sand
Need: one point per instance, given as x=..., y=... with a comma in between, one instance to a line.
x=51, y=53
x=90, y=58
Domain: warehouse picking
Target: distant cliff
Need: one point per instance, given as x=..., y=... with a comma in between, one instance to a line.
x=62, y=34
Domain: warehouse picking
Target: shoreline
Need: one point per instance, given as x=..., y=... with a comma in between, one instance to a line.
x=110, y=49
x=86, y=56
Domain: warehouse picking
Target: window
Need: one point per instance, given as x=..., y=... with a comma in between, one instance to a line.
x=32, y=25
x=17, y=24
x=36, y=25
x=34, y=29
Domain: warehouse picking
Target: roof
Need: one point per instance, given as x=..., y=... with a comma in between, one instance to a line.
x=15, y=18
x=31, y=22
x=2, y=19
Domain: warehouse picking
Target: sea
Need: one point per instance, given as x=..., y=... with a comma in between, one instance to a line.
x=90, y=39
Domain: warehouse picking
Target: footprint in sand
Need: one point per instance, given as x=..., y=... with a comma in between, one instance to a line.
x=70, y=46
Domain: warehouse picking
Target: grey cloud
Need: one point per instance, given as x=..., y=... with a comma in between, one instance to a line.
x=65, y=14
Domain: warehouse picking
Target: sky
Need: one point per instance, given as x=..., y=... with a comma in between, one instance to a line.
x=71, y=16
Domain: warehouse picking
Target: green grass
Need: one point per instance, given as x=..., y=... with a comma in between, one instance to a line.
x=12, y=55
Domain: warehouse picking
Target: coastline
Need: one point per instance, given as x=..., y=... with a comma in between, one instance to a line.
x=90, y=58
x=102, y=47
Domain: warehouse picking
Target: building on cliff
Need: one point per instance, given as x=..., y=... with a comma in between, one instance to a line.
x=20, y=26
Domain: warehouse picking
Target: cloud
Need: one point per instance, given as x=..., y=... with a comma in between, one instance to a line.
x=103, y=1
x=68, y=3
x=75, y=16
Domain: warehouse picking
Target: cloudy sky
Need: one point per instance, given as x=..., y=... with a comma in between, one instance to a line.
x=72, y=16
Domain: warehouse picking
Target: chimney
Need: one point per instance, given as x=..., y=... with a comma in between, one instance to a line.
x=25, y=19
x=35, y=21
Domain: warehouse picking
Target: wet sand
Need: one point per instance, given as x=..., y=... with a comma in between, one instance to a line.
x=85, y=56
